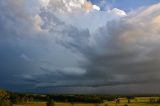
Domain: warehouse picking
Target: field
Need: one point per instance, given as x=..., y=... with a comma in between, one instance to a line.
x=33, y=104
x=138, y=101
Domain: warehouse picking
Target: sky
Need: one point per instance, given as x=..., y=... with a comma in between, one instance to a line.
x=126, y=5
x=80, y=46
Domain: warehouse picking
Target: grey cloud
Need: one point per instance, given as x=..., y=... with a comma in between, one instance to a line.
x=25, y=57
x=122, y=52
x=121, y=48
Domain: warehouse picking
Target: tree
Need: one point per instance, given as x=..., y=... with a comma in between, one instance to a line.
x=4, y=98
x=117, y=101
x=129, y=98
x=129, y=101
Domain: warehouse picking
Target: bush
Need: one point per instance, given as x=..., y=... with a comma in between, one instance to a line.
x=51, y=102
x=5, y=103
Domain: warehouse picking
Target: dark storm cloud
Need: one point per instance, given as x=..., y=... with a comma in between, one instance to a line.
x=60, y=50
x=120, y=52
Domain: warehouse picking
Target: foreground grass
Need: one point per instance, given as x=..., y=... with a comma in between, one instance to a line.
x=138, y=101
x=32, y=104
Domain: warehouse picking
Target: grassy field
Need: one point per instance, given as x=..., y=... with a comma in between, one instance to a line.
x=32, y=104
x=138, y=101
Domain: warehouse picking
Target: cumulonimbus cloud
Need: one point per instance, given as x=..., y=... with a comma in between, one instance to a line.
x=66, y=46
x=118, y=51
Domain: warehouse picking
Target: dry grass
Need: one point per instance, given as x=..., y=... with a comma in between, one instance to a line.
x=138, y=101
x=32, y=104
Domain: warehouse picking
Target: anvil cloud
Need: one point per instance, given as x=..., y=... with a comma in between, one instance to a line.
x=71, y=46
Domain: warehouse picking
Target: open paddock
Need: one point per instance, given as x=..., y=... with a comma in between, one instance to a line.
x=137, y=101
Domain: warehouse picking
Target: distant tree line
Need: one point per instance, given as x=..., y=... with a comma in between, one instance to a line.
x=8, y=98
x=20, y=98
x=82, y=98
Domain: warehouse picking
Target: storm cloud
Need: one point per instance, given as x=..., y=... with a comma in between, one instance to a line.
x=62, y=46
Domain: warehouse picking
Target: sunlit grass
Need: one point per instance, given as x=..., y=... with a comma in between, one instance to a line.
x=138, y=101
